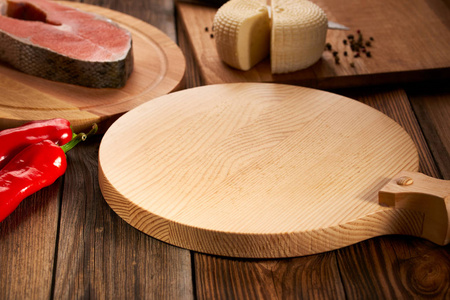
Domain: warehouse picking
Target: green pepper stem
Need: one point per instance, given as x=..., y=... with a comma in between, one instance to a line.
x=80, y=137
x=93, y=129
x=73, y=133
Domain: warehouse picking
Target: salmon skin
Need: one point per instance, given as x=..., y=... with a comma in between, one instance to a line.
x=49, y=40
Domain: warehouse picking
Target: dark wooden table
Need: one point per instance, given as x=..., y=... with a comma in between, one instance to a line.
x=65, y=241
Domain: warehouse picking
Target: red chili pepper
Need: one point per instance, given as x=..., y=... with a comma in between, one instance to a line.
x=35, y=167
x=13, y=140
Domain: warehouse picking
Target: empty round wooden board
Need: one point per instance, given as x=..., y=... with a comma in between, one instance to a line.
x=159, y=67
x=256, y=170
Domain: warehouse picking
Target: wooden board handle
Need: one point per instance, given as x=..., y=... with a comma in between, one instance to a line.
x=418, y=192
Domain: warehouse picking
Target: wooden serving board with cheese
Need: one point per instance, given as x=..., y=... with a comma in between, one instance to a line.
x=267, y=170
x=159, y=68
x=402, y=30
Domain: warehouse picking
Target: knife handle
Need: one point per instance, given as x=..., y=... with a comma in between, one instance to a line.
x=419, y=192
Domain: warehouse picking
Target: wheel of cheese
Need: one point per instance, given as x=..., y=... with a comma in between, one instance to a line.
x=292, y=31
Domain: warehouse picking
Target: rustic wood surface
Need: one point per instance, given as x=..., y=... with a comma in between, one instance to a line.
x=65, y=241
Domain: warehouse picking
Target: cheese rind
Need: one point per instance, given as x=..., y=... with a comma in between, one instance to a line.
x=242, y=33
x=299, y=29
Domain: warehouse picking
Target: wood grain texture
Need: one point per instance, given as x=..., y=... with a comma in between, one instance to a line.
x=431, y=103
x=418, y=192
x=193, y=78
x=27, y=246
x=314, y=276
x=394, y=102
x=106, y=258
x=401, y=49
x=387, y=267
x=309, y=277
x=377, y=273
x=159, y=69
x=119, y=261
x=219, y=150
x=395, y=268
x=210, y=281
x=158, y=13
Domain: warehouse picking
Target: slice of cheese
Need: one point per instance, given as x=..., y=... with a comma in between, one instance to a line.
x=242, y=33
x=299, y=30
x=293, y=31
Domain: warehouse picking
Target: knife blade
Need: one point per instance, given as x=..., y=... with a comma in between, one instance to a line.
x=334, y=25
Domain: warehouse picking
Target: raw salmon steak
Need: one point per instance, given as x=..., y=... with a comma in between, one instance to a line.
x=49, y=40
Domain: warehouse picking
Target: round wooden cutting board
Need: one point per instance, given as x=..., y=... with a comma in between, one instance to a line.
x=159, y=67
x=256, y=170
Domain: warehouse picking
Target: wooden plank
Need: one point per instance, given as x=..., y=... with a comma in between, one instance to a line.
x=159, y=13
x=431, y=103
x=27, y=246
x=385, y=267
x=101, y=256
x=401, y=51
x=193, y=78
x=308, y=277
x=316, y=275
x=395, y=267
